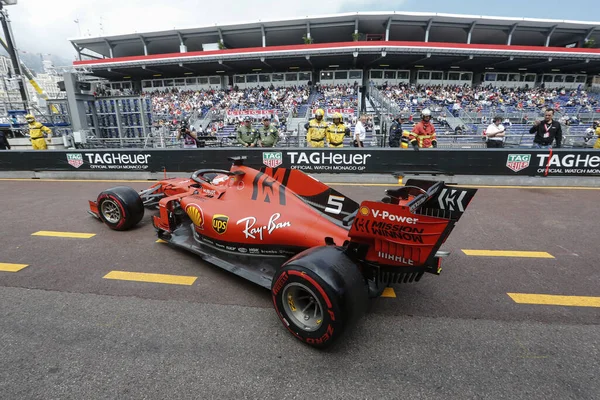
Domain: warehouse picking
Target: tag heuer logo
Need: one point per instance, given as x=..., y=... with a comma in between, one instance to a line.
x=219, y=223
x=75, y=160
x=518, y=162
x=272, y=159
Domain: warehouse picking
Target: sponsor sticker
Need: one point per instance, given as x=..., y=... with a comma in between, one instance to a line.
x=392, y=257
x=196, y=215
x=258, y=232
x=219, y=223
x=518, y=162
x=364, y=211
x=272, y=159
x=74, y=159
x=387, y=216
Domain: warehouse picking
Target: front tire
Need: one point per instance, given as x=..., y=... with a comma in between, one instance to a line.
x=319, y=294
x=120, y=208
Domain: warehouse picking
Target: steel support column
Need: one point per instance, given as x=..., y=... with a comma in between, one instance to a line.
x=512, y=30
x=264, y=36
x=387, y=29
x=470, y=34
x=356, y=25
x=588, y=34
x=110, y=49
x=428, y=29
x=550, y=35
x=145, y=44
x=308, y=30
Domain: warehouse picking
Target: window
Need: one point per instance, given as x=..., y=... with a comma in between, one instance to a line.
x=581, y=78
x=453, y=76
x=530, y=78
x=389, y=74
x=304, y=76
x=502, y=77
x=514, y=77
x=403, y=75
x=180, y=82
x=437, y=76
x=190, y=81
x=547, y=78
x=168, y=82
x=570, y=78
x=277, y=77
x=239, y=79
x=251, y=78
x=264, y=78
x=466, y=76
x=356, y=75
x=204, y=81
x=146, y=84
x=291, y=77
x=559, y=78
x=341, y=74
x=126, y=85
x=116, y=85
x=215, y=80
x=376, y=74
x=424, y=75
x=326, y=76
x=157, y=83
x=490, y=77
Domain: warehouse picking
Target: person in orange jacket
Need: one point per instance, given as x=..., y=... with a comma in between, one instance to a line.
x=423, y=133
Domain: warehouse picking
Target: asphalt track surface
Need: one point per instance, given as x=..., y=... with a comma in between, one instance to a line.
x=67, y=332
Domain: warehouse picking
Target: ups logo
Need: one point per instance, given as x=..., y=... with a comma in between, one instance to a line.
x=219, y=223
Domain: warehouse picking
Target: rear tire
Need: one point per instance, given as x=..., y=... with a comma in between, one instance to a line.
x=319, y=294
x=120, y=208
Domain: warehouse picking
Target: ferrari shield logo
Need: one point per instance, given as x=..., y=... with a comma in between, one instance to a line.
x=518, y=162
x=272, y=159
x=75, y=160
x=219, y=223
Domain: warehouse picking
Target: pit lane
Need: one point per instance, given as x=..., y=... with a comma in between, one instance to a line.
x=462, y=319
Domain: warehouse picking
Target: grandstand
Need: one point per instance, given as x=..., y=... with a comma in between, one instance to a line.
x=465, y=68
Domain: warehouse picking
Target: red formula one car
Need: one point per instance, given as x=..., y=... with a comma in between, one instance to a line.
x=321, y=254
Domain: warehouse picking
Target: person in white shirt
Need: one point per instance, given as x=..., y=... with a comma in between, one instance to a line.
x=495, y=134
x=360, y=133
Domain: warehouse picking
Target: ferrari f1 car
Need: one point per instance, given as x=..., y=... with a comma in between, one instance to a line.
x=321, y=254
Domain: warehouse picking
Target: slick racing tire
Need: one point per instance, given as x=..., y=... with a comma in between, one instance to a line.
x=319, y=294
x=121, y=208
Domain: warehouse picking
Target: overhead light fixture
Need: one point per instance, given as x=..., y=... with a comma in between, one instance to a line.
x=384, y=65
x=219, y=72
x=522, y=69
x=257, y=69
x=126, y=77
x=188, y=73
x=583, y=72
x=555, y=70
x=333, y=66
x=419, y=66
x=157, y=75
x=294, y=67
x=454, y=66
x=489, y=68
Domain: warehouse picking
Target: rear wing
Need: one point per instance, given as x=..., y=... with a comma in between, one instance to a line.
x=408, y=227
x=432, y=198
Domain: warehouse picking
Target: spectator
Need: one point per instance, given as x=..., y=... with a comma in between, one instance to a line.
x=495, y=133
x=189, y=136
x=547, y=132
x=396, y=132
x=360, y=133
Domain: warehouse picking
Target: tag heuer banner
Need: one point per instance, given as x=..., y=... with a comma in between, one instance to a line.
x=347, y=160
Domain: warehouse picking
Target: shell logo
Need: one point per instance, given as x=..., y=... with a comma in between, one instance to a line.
x=364, y=211
x=196, y=215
